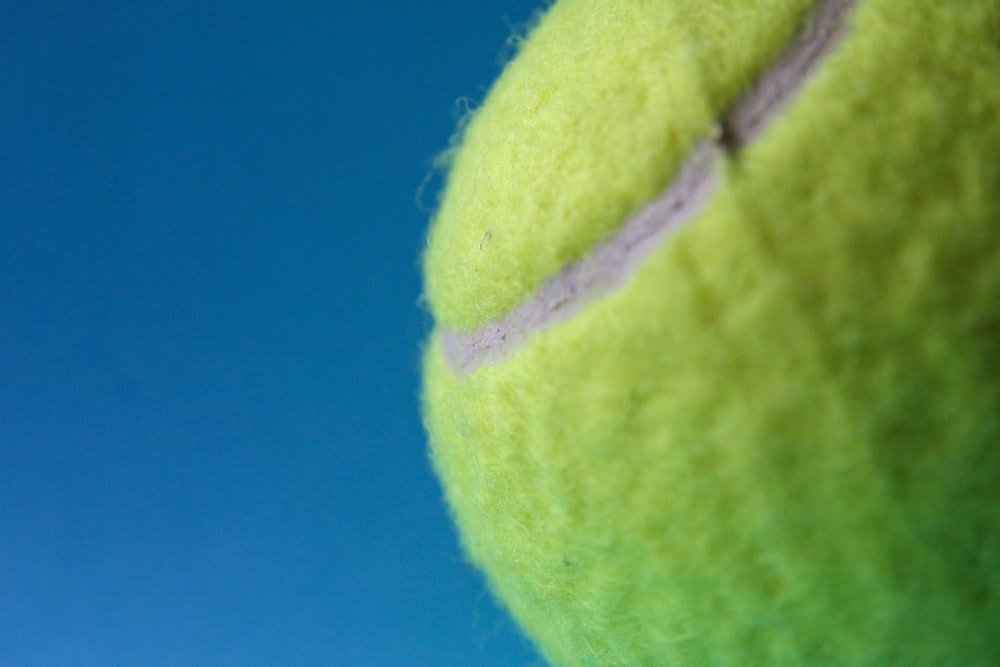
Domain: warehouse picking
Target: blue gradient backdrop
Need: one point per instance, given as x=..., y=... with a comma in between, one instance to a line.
x=210, y=447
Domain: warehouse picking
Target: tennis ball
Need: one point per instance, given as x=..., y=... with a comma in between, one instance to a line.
x=715, y=372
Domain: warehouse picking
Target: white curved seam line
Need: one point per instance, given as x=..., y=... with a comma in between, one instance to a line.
x=614, y=260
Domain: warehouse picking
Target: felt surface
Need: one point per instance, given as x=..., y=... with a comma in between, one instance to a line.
x=523, y=198
x=779, y=443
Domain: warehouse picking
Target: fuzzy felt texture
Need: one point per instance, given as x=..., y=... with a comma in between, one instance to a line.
x=779, y=442
x=592, y=119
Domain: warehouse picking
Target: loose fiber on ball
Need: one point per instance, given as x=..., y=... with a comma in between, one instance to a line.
x=715, y=374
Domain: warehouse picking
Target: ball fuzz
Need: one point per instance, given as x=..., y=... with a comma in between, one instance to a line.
x=715, y=374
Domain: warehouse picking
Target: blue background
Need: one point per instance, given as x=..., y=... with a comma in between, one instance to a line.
x=210, y=223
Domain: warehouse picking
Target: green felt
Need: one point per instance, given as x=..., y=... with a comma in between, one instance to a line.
x=779, y=443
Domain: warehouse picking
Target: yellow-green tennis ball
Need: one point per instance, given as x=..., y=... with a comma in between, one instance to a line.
x=715, y=375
